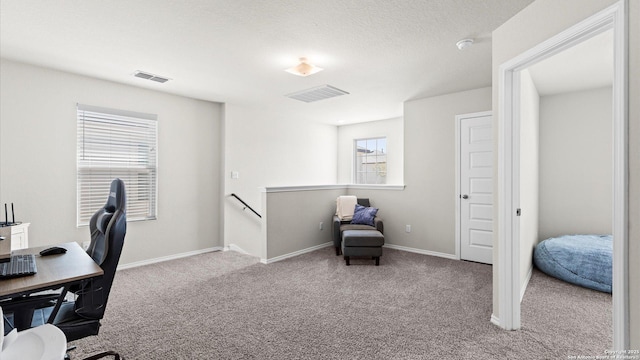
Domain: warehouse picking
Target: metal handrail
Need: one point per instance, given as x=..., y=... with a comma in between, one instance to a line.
x=246, y=206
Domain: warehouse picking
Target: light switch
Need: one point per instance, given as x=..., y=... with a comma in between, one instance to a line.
x=235, y=175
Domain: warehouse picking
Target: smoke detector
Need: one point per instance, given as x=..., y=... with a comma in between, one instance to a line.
x=464, y=43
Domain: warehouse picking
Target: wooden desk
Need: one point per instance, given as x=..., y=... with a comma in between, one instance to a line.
x=54, y=271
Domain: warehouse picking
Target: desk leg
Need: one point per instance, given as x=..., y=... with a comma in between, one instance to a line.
x=56, y=308
x=22, y=319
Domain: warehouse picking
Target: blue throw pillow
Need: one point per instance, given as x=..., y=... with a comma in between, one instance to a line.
x=364, y=215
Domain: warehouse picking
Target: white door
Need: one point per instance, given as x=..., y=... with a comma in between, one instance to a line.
x=476, y=187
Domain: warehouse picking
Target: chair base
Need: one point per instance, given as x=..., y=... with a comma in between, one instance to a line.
x=115, y=355
x=101, y=355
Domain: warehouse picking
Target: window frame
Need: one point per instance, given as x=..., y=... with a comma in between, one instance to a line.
x=110, y=144
x=356, y=162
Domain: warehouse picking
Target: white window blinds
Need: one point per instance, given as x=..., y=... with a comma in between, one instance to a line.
x=116, y=144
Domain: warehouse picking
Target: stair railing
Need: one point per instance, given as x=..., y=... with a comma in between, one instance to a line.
x=246, y=206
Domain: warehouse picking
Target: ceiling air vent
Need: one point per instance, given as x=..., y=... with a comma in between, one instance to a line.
x=152, y=77
x=317, y=93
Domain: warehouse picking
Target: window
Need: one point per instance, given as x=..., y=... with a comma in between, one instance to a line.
x=371, y=161
x=116, y=144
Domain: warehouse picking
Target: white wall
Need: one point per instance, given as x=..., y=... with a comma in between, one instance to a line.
x=529, y=173
x=38, y=160
x=576, y=168
x=392, y=129
x=267, y=149
x=292, y=221
x=428, y=201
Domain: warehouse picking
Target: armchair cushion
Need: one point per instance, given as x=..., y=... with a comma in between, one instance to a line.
x=346, y=227
x=364, y=215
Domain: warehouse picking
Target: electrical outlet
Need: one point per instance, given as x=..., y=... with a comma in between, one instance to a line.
x=321, y=225
x=235, y=175
x=85, y=244
x=407, y=228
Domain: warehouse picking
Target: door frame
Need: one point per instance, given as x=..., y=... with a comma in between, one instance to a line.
x=459, y=119
x=613, y=17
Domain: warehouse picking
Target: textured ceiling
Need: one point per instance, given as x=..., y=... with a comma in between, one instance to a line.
x=382, y=52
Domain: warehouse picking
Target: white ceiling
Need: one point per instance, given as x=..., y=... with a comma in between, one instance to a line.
x=587, y=65
x=382, y=52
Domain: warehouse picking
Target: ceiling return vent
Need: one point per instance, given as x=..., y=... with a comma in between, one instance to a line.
x=317, y=93
x=152, y=77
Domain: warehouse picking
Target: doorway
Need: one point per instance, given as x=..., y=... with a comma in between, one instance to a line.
x=509, y=243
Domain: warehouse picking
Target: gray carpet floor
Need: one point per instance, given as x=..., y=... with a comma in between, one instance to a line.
x=226, y=305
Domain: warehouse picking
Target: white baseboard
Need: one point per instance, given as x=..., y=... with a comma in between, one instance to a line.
x=296, y=253
x=236, y=248
x=420, y=251
x=523, y=287
x=167, y=258
x=495, y=320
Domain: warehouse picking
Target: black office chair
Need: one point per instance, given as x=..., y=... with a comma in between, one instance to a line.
x=81, y=318
x=108, y=226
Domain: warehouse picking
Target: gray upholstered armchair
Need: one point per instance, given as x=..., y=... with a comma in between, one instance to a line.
x=339, y=226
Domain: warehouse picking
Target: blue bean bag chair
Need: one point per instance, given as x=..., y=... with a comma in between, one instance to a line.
x=583, y=260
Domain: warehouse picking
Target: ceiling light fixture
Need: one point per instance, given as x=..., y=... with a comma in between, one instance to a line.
x=304, y=68
x=464, y=43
